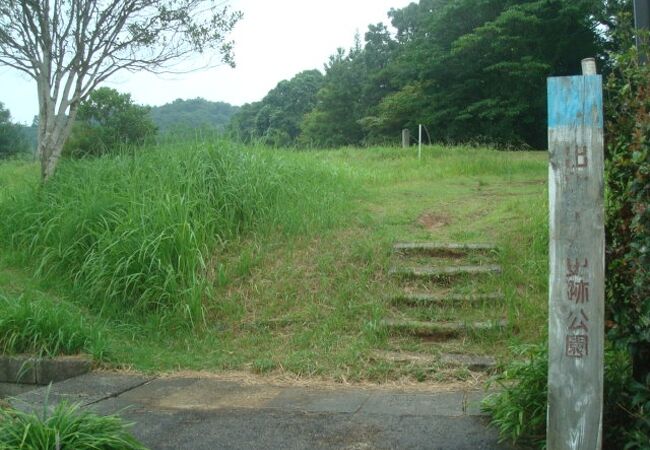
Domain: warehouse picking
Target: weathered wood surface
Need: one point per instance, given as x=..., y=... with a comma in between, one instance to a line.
x=577, y=243
x=423, y=298
x=444, y=271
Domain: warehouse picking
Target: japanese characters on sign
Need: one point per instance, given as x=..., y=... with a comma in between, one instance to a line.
x=577, y=294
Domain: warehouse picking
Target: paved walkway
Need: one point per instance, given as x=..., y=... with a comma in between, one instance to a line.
x=204, y=413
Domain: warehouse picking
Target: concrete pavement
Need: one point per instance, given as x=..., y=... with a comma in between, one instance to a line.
x=207, y=413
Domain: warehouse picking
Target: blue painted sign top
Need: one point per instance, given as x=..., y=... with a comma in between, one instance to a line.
x=575, y=101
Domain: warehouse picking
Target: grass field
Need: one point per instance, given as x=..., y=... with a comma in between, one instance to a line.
x=215, y=257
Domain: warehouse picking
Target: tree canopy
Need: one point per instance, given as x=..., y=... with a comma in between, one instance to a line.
x=191, y=114
x=106, y=120
x=13, y=140
x=469, y=70
x=276, y=119
x=68, y=47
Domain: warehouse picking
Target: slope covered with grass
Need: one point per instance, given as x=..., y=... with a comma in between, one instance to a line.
x=136, y=233
x=286, y=254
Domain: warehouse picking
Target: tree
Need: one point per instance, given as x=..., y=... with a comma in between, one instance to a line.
x=182, y=115
x=276, y=118
x=12, y=138
x=107, y=119
x=70, y=46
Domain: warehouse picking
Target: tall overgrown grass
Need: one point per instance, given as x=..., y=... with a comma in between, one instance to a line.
x=136, y=233
x=47, y=328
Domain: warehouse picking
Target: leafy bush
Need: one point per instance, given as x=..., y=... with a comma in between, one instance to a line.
x=65, y=428
x=107, y=120
x=628, y=240
x=519, y=409
x=139, y=233
x=628, y=214
x=29, y=325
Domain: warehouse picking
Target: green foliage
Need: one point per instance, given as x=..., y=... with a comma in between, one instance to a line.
x=470, y=70
x=13, y=140
x=628, y=225
x=333, y=123
x=484, y=77
x=354, y=84
x=182, y=115
x=48, y=328
x=305, y=300
x=107, y=120
x=137, y=233
x=628, y=215
x=275, y=120
x=519, y=409
x=66, y=427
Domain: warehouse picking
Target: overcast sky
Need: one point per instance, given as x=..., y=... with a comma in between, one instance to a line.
x=275, y=40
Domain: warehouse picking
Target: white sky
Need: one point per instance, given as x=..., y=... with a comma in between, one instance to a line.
x=275, y=40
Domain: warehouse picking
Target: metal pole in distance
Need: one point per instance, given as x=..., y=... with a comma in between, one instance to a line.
x=577, y=261
x=420, y=142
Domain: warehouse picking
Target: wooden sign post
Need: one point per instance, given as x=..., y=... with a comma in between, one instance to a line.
x=577, y=261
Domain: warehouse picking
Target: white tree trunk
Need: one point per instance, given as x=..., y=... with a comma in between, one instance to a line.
x=50, y=144
x=54, y=129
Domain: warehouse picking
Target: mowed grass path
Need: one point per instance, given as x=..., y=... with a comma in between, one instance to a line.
x=310, y=302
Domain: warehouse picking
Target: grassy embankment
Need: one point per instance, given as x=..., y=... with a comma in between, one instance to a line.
x=208, y=256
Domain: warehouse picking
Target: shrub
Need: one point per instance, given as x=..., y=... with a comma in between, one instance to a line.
x=519, y=410
x=107, y=120
x=65, y=428
x=628, y=214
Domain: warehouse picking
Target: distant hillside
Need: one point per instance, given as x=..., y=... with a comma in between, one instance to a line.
x=194, y=113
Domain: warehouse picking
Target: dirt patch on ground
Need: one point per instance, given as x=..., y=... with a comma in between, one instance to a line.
x=283, y=379
x=433, y=221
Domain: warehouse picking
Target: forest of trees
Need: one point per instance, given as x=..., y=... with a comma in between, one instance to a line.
x=109, y=119
x=190, y=114
x=469, y=70
x=15, y=139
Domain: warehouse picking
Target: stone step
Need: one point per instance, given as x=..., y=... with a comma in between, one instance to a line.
x=444, y=271
x=440, y=329
x=424, y=298
x=442, y=247
x=475, y=363
x=405, y=357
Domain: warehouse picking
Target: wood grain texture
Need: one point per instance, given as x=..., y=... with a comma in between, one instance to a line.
x=577, y=249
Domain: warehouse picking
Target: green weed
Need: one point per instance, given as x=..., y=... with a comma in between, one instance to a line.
x=47, y=328
x=65, y=427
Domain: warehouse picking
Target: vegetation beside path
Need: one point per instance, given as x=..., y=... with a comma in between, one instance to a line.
x=211, y=256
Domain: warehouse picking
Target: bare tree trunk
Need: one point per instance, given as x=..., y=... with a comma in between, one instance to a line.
x=56, y=132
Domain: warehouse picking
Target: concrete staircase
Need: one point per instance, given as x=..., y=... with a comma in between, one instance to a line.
x=445, y=278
